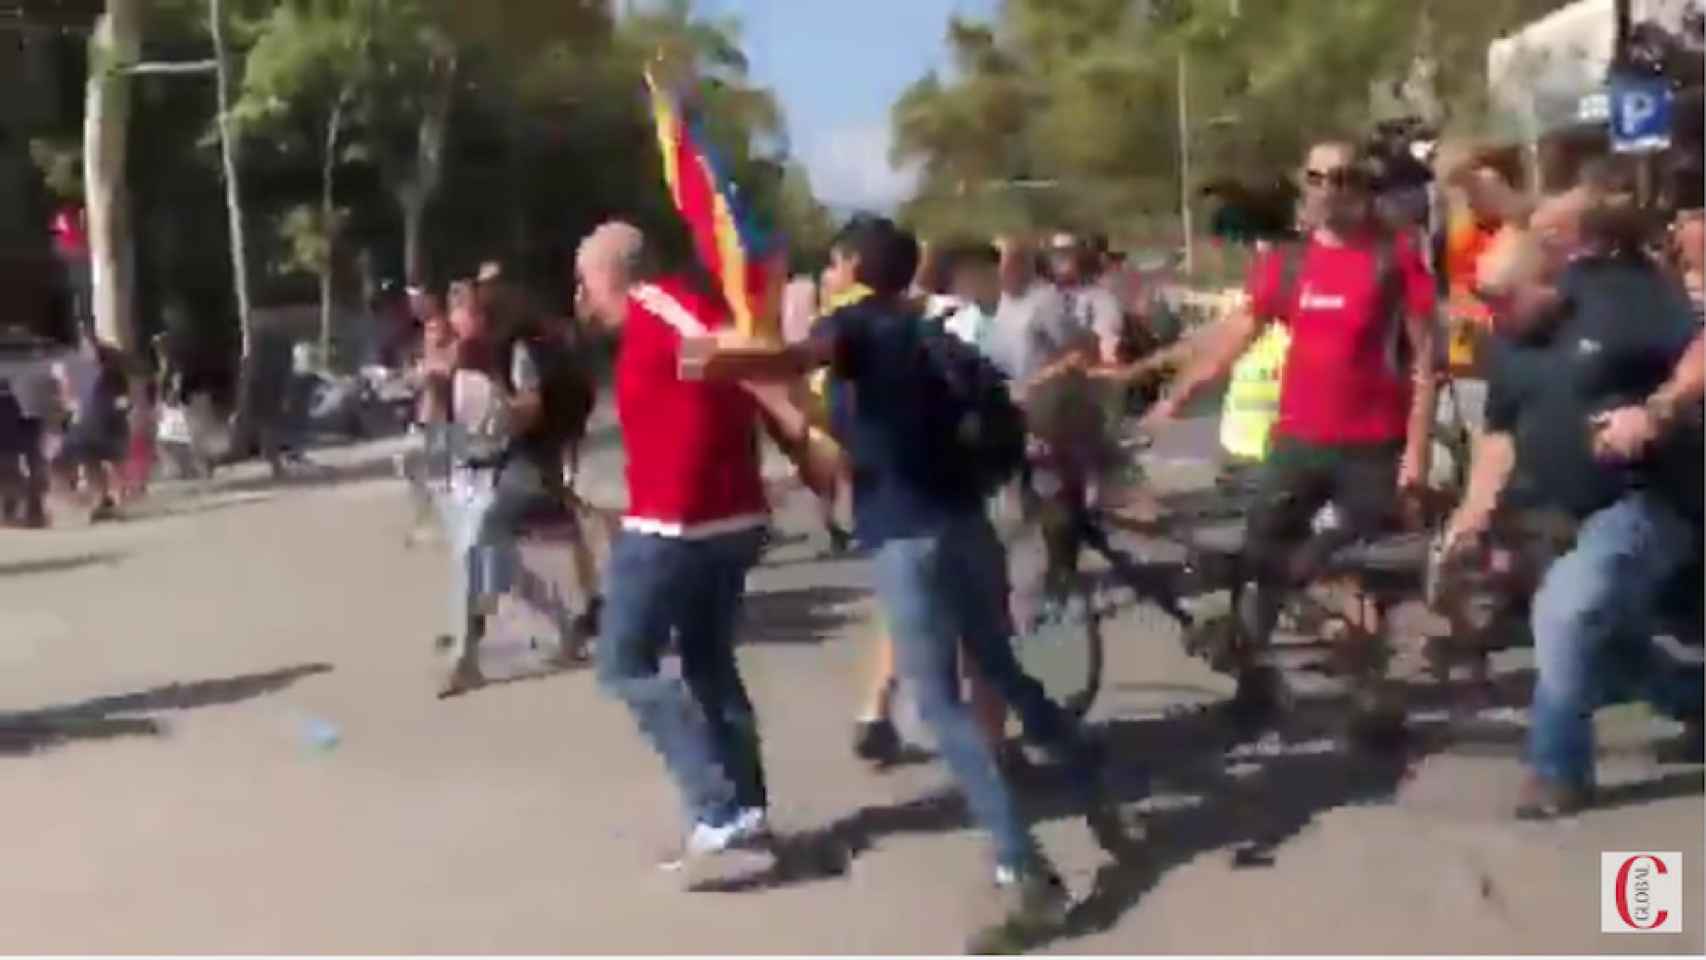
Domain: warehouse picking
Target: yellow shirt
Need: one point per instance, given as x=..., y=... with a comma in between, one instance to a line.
x=819, y=380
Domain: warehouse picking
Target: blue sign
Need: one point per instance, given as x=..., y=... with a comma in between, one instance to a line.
x=1641, y=114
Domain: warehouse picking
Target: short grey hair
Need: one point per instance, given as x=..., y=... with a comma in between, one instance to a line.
x=615, y=241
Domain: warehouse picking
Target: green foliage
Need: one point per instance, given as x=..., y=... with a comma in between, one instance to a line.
x=545, y=132
x=307, y=236
x=60, y=162
x=1065, y=112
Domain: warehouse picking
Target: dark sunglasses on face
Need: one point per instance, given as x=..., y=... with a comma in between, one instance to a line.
x=1340, y=178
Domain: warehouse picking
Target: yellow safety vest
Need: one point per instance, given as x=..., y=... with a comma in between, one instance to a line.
x=1252, y=396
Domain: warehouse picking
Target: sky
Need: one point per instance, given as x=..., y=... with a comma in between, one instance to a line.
x=837, y=67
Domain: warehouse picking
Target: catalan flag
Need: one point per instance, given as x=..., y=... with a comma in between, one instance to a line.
x=731, y=248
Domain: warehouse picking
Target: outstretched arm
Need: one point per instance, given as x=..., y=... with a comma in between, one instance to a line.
x=1222, y=345
x=723, y=360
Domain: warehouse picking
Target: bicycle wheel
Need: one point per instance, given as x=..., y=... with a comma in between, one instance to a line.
x=1057, y=626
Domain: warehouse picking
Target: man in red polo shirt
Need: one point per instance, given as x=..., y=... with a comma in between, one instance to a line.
x=1356, y=398
x=694, y=527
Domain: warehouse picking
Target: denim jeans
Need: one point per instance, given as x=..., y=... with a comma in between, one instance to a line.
x=1593, y=620
x=701, y=723
x=484, y=512
x=942, y=592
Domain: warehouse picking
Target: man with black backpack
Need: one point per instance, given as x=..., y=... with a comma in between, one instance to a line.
x=1356, y=404
x=931, y=433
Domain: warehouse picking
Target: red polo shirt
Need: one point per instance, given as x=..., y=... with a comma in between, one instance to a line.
x=693, y=468
x=1344, y=381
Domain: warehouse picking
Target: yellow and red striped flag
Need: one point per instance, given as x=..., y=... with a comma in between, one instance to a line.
x=743, y=261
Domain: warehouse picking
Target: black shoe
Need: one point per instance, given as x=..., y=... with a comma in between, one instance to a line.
x=840, y=541
x=1688, y=748
x=1542, y=799
x=104, y=511
x=876, y=741
x=1261, y=695
x=586, y=625
x=1035, y=906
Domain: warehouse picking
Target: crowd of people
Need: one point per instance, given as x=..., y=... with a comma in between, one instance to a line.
x=918, y=383
x=84, y=428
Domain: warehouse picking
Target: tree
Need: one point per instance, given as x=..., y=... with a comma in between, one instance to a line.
x=1063, y=112
x=304, y=74
x=115, y=45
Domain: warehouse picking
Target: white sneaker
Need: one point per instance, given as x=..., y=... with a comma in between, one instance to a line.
x=745, y=832
x=753, y=823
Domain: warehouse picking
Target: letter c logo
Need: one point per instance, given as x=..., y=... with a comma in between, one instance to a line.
x=1623, y=891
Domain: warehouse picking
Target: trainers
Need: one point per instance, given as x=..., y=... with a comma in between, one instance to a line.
x=463, y=676
x=1035, y=898
x=739, y=847
x=587, y=623
x=1261, y=694
x=876, y=741
x=1543, y=799
x=1689, y=748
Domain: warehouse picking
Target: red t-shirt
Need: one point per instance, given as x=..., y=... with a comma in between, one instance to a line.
x=692, y=447
x=1344, y=382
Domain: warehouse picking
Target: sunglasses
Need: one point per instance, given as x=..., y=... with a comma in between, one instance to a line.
x=1339, y=178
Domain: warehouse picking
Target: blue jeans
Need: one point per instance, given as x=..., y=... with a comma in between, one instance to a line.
x=701, y=723
x=484, y=513
x=942, y=592
x=1593, y=620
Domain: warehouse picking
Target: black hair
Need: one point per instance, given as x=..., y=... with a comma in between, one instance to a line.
x=887, y=254
x=966, y=255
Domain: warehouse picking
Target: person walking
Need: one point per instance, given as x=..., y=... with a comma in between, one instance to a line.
x=694, y=528
x=919, y=502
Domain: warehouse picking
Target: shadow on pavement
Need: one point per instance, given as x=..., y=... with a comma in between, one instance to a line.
x=1188, y=783
x=314, y=474
x=804, y=615
x=105, y=718
x=59, y=564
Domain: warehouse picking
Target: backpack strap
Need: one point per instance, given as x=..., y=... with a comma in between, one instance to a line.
x=1389, y=303
x=1291, y=267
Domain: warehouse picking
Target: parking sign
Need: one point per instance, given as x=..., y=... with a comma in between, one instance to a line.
x=1641, y=110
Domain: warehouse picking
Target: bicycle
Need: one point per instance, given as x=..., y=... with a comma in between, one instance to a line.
x=1059, y=607
x=1048, y=521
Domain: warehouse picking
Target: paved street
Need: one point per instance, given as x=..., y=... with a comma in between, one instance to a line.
x=220, y=736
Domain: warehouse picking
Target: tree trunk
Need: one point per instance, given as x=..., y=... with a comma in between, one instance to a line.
x=233, y=195
x=116, y=43
x=329, y=224
x=415, y=193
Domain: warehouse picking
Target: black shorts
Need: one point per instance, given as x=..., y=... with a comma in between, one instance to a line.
x=89, y=444
x=1296, y=481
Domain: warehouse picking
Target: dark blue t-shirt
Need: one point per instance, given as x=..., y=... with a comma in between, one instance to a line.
x=880, y=399
x=1616, y=338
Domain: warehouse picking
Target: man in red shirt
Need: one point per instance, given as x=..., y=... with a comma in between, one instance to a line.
x=694, y=527
x=1357, y=395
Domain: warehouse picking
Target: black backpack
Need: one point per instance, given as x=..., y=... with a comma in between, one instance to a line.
x=980, y=430
x=566, y=392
